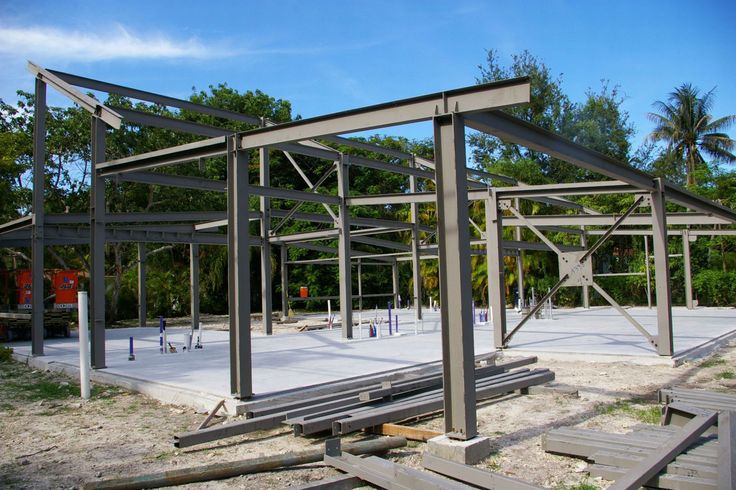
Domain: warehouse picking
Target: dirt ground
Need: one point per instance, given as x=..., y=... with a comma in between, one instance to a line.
x=49, y=438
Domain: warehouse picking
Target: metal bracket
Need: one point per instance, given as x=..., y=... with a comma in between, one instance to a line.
x=332, y=447
x=576, y=271
x=646, y=201
x=504, y=204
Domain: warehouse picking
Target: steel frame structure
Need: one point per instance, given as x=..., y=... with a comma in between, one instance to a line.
x=451, y=112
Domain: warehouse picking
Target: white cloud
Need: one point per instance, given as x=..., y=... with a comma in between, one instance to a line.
x=47, y=43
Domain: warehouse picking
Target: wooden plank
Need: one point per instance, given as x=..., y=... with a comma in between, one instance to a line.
x=653, y=464
x=410, y=433
x=342, y=482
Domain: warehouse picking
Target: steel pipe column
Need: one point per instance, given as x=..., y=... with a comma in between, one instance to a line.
x=37, y=226
x=194, y=283
x=496, y=279
x=415, y=253
x=688, y=270
x=661, y=271
x=519, y=260
x=586, y=290
x=343, y=249
x=142, y=313
x=284, y=282
x=97, y=247
x=395, y=282
x=241, y=374
x=455, y=278
x=265, y=202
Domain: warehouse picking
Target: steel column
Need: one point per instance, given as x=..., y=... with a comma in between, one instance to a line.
x=343, y=249
x=688, y=270
x=37, y=227
x=241, y=375
x=142, y=313
x=284, y=282
x=194, y=283
x=265, y=202
x=97, y=247
x=415, y=253
x=648, y=272
x=586, y=290
x=496, y=279
x=455, y=278
x=360, y=285
x=519, y=261
x=395, y=282
x=661, y=270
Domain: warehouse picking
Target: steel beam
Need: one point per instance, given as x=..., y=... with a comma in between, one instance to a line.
x=727, y=449
x=169, y=156
x=692, y=201
x=395, y=284
x=86, y=102
x=241, y=375
x=505, y=93
x=586, y=289
x=565, y=189
x=688, y=271
x=38, y=219
x=519, y=261
x=378, y=242
x=169, y=180
x=142, y=313
x=343, y=249
x=153, y=97
x=387, y=199
x=496, y=278
x=265, y=222
x=415, y=252
x=194, y=284
x=639, y=219
x=514, y=130
x=455, y=278
x=389, y=167
x=97, y=247
x=661, y=271
x=284, y=281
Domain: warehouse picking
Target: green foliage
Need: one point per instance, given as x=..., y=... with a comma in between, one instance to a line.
x=583, y=485
x=6, y=353
x=726, y=375
x=712, y=362
x=715, y=288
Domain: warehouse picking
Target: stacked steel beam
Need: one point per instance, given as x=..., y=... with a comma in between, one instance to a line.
x=708, y=400
x=613, y=455
x=349, y=407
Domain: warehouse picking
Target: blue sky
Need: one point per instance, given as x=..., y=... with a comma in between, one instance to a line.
x=326, y=56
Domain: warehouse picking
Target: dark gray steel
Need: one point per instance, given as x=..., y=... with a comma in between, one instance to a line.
x=241, y=375
x=464, y=100
x=194, y=284
x=169, y=180
x=415, y=252
x=97, y=247
x=37, y=227
x=152, y=97
x=455, y=278
x=687, y=268
x=586, y=290
x=653, y=464
x=86, y=102
x=472, y=475
x=496, y=277
x=265, y=207
x=661, y=270
x=520, y=263
x=142, y=310
x=284, y=281
x=514, y=130
x=343, y=249
x=727, y=449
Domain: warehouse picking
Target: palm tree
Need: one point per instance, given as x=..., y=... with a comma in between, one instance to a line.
x=685, y=124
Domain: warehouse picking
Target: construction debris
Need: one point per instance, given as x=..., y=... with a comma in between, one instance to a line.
x=235, y=468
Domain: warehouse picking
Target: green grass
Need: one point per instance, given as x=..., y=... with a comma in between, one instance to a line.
x=5, y=353
x=713, y=361
x=726, y=375
x=649, y=414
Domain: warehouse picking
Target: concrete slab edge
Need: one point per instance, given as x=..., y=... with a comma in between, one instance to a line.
x=172, y=395
x=703, y=350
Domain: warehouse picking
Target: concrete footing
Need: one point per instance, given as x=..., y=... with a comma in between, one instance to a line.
x=471, y=451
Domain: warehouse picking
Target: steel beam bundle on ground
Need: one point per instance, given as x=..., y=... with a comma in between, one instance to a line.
x=371, y=400
x=683, y=458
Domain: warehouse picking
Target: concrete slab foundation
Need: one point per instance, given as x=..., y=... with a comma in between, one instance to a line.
x=288, y=361
x=472, y=451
